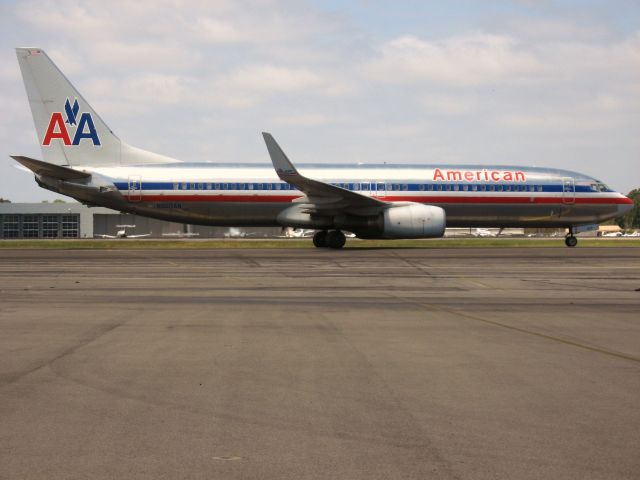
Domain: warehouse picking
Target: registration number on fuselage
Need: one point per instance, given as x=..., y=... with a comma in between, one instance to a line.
x=168, y=205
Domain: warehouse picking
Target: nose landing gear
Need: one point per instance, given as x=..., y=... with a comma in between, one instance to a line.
x=331, y=239
x=570, y=240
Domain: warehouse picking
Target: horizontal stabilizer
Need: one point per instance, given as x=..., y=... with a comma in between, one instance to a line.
x=50, y=170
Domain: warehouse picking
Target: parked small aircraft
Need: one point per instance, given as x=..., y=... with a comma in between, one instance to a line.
x=122, y=233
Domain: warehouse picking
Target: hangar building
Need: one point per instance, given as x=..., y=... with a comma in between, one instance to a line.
x=74, y=220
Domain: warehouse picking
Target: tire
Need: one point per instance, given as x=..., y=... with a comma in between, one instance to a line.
x=320, y=239
x=571, y=241
x=336, y=239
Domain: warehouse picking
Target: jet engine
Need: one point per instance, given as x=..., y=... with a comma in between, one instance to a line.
x=413, y=220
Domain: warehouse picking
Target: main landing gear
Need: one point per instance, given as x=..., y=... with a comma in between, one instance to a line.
x=331, y=239
x=570, y=240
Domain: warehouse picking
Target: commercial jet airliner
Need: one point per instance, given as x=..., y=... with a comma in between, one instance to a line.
x=84, y=159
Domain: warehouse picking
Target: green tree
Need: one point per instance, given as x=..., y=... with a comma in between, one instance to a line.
x=632, y=218
x=4, y=200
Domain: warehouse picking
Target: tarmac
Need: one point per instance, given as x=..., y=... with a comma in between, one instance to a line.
x=317, y=364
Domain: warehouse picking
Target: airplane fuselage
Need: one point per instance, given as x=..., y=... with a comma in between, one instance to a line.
x=253, y=195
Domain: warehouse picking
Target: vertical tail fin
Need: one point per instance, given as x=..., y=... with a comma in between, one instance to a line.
x=69, y=130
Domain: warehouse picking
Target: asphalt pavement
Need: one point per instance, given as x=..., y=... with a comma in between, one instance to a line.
x=316, y=364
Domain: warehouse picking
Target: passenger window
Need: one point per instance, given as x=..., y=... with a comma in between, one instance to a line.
x=176, y=186
x=474, y=188
x=421, y=187
x=465, y=188
x=539, y=188
x=456, y=187
x=499, y=188
x=405, y=187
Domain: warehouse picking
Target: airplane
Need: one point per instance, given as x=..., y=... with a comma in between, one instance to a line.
x=290, y=232
x=235, y=232
x=482, y=232
x=122, y=233
x=84, y=159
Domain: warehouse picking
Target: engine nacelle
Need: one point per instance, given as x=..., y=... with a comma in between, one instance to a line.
x=413, y=220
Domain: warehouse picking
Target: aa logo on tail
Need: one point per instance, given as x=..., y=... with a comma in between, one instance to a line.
x=62, y=128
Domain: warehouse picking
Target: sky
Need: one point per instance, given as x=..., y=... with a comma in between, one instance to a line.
x=512, y=82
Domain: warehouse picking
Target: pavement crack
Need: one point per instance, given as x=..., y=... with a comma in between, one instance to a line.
x=89, y=337
x=565, y=341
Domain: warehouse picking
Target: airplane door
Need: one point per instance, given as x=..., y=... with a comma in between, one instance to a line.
x=568, y=191
x=367, y=188
x=380, y=189
x=135, y=187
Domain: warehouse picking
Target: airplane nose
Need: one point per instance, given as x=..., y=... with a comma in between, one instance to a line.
x=626, y=206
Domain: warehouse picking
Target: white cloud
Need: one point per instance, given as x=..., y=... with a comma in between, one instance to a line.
x=474, y=59
x=199, y=79
x=271, y=78
x=449, y=104
x=304, y=119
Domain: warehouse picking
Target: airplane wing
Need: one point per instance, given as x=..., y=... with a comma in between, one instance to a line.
x=321, y=198
x=98, y=235
x=139, y=236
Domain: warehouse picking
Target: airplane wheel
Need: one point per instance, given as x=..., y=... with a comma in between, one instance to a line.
x=336, y=239
x=570, y=241
x=320, y=239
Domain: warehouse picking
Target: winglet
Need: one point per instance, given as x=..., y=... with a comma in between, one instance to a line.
x=283, y=166
x=318, y=193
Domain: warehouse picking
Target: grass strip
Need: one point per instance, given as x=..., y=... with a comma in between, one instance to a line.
x=198, y=244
